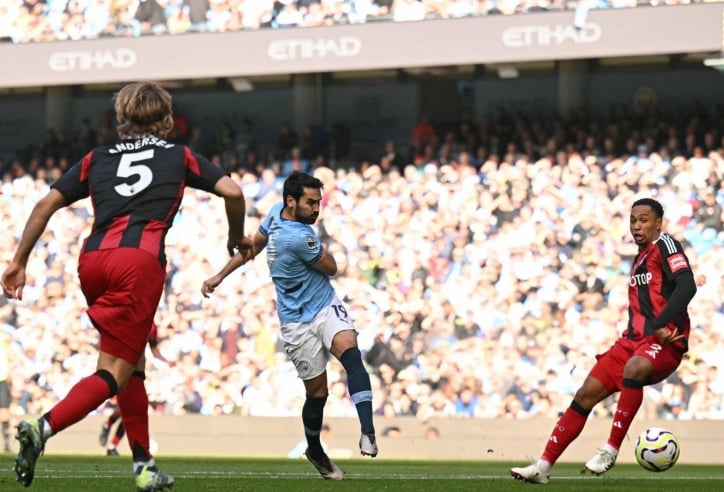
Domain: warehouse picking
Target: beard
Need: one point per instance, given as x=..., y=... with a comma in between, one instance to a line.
x=306, y=219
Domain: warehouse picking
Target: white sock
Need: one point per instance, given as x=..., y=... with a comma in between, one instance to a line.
x=544, y=466
x=45, y=430
x=137, y=465
x=610, y=449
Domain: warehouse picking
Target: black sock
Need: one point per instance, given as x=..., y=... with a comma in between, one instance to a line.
x=312, y=416
x=360, y=390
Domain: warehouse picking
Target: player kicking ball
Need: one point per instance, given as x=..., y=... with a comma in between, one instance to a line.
x=314, y=321
x=661, y=285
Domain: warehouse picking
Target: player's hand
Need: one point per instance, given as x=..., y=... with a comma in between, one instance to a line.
x=666, y=336
x=241, y=244
x=13, y=281
x=245, y=247
x=210, y=285
x=231, y=245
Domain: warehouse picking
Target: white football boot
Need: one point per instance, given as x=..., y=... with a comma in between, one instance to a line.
x=602, y=461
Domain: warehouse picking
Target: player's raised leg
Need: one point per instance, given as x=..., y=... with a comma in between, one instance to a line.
x=31, y=438
x=344, y=347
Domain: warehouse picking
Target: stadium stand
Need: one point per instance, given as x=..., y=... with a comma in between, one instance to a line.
x=69, y=20
x=459, y=288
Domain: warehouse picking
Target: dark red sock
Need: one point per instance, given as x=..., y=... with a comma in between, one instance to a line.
x=568, y=427
x=133, y=402
x=629, y=402
x=82, y=399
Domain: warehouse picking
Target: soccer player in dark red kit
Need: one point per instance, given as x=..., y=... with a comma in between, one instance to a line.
x=136, y=187
x=661, y=285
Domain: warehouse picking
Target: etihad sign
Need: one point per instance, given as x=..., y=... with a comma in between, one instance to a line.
x=551, y=35
x=86, y=60
x=307, y=49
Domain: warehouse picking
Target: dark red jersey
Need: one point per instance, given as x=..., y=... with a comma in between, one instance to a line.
x=136, y=187
x=652, y=281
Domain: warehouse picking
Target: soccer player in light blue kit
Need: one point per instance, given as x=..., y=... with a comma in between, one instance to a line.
x=314, y=321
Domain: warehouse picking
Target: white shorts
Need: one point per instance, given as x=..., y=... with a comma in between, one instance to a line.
x=308, y=344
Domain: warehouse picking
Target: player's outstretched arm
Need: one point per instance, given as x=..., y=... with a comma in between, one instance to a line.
x=240, y=258
x=13, y=279
x=210, y=284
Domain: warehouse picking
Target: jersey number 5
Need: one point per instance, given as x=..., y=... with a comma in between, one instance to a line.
x=128, y=168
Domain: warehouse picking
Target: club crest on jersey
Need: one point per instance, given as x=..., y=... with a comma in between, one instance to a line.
x=311, y=242
x=676, y=262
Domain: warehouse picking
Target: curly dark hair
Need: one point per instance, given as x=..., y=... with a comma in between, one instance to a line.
x=650, y=202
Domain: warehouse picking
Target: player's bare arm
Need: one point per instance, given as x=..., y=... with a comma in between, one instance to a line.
x=235, y=213
x=239, y=259
x=326, y=264
x=210, y=284
x=13, y=279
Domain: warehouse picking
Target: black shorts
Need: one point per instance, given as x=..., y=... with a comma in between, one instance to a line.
x=4, y=394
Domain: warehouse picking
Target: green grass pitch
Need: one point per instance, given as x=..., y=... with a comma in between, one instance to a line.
x=110, y=474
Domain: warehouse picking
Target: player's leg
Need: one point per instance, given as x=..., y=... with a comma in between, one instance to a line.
x=310, y=359
x=313, y=412
x=312, y=419
x=133, y=403
x=650, y=363
x=344, y=348
x=598, y=385
x=84, y=397
x=340, y=337
x=610, y=369
x=111, y=376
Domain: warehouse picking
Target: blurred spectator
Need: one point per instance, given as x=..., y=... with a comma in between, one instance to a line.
x=38, y=21
x=709, y=214
x=151, y=16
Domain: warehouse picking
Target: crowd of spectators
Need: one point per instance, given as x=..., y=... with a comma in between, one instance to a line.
x=50, y=20
x=485, y=266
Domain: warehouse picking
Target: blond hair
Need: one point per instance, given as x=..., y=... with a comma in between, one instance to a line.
x=143, y=109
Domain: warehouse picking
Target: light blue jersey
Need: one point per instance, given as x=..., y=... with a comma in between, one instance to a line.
x=292, y=248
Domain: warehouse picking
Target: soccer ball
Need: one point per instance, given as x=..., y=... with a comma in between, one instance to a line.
x=657, y=449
